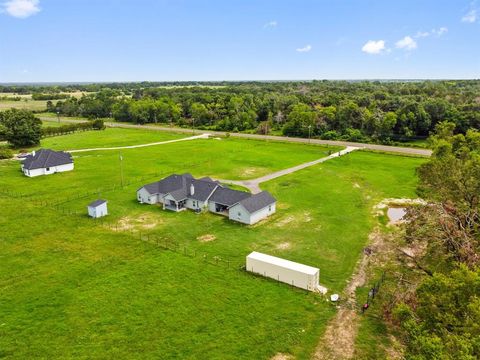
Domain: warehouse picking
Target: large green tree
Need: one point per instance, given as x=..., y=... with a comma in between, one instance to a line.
x=21, y=127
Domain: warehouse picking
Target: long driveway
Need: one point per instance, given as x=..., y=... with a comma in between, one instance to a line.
x=254, y=184
x=385, y=148
x=202, y=136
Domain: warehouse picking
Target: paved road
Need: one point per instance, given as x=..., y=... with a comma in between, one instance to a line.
x=376, y=147
x=203, y=136
x=254, y=184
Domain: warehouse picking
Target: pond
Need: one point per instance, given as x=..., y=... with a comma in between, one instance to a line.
x=396, y=214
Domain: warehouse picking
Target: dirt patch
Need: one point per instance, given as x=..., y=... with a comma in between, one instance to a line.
x=282, y=206
x=249, y=172
x=285, y=221
x=129, y=223
x=284, y=246
x=307, y=216
x=294, y=220
x=206, y=238
x=282, y=356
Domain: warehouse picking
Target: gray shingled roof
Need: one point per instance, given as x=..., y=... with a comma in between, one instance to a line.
x=202, y=189
x=45, y=158
x=228, y=197
x=257, y=202
x=97, y=203
x=164, y=186
x=178, y=186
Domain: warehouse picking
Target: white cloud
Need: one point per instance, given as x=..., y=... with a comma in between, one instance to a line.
x=406, y=43
x=374, y=47
x=470, y=17
x=271, y=24
x=21, y=8
x=440, y=31
x=306, y=48
x=422, y=34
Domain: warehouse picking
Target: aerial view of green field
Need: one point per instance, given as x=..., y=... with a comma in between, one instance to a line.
x=244, y=180
x=72, y=277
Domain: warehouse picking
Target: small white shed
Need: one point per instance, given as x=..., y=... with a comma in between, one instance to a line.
x=98, y=208
x=289, y=272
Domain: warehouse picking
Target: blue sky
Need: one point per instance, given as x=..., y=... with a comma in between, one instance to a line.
x=166, y=40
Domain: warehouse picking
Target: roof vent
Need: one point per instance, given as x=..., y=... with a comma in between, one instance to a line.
x=192, y=189
x=33, y=153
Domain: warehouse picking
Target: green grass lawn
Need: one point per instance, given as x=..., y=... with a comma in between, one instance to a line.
x=75, y=287
x=27, y=104
x=109, y=137
x=52, y=123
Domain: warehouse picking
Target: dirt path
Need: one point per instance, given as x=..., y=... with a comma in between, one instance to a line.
x=254, y=184
x=338, y=341
x=376, y=147
x=202, y=136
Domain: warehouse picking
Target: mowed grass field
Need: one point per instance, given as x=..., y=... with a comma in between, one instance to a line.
x=72, y=287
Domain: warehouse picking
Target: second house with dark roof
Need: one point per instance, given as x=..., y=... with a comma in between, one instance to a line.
x=180, y=192
x=46, y=162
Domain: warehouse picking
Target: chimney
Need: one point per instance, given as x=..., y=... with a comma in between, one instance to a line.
x=192, y=189
x=33, y=153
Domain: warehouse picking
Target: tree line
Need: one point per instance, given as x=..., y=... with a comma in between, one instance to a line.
x=434, y=302
x=378, y=111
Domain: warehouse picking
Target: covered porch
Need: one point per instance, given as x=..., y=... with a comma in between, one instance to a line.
x=173, y=205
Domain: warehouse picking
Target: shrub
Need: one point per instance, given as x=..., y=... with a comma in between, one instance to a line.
x=98, y=124
x=6, y=153
x=330, y=135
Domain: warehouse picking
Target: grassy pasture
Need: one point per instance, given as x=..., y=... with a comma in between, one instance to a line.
x=26, y=104
x=75, y=287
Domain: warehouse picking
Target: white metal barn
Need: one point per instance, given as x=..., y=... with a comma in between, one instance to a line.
x=295, y=274
x=98, y=208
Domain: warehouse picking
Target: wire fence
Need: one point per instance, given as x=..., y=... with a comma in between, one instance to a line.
x=35, y=198
x=167, y=243
x=372, y=293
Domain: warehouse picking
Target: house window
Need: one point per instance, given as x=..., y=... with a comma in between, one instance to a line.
x=270, y=208
x=48, y=169
x=239, y=213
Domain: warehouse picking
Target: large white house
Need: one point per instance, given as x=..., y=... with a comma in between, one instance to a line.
x=180, y=192
x=46, y=162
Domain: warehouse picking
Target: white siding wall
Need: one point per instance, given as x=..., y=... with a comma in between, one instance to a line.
x=62, y=168
x=48, y=171
x=240, y=214
x=285, y=275
x=263, y=213
x=144, y=196
x=34, y=172
x=194, y=204
x=98, y=211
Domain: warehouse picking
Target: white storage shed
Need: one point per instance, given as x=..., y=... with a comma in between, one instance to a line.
x=289, y=272
x=98, y=208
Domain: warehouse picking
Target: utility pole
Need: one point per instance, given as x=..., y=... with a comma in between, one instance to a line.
x=121, y=168
x=58, y=116
x=193, y=125
x=309, y=130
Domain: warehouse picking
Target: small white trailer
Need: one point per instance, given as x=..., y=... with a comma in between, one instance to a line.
x=289, y=272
